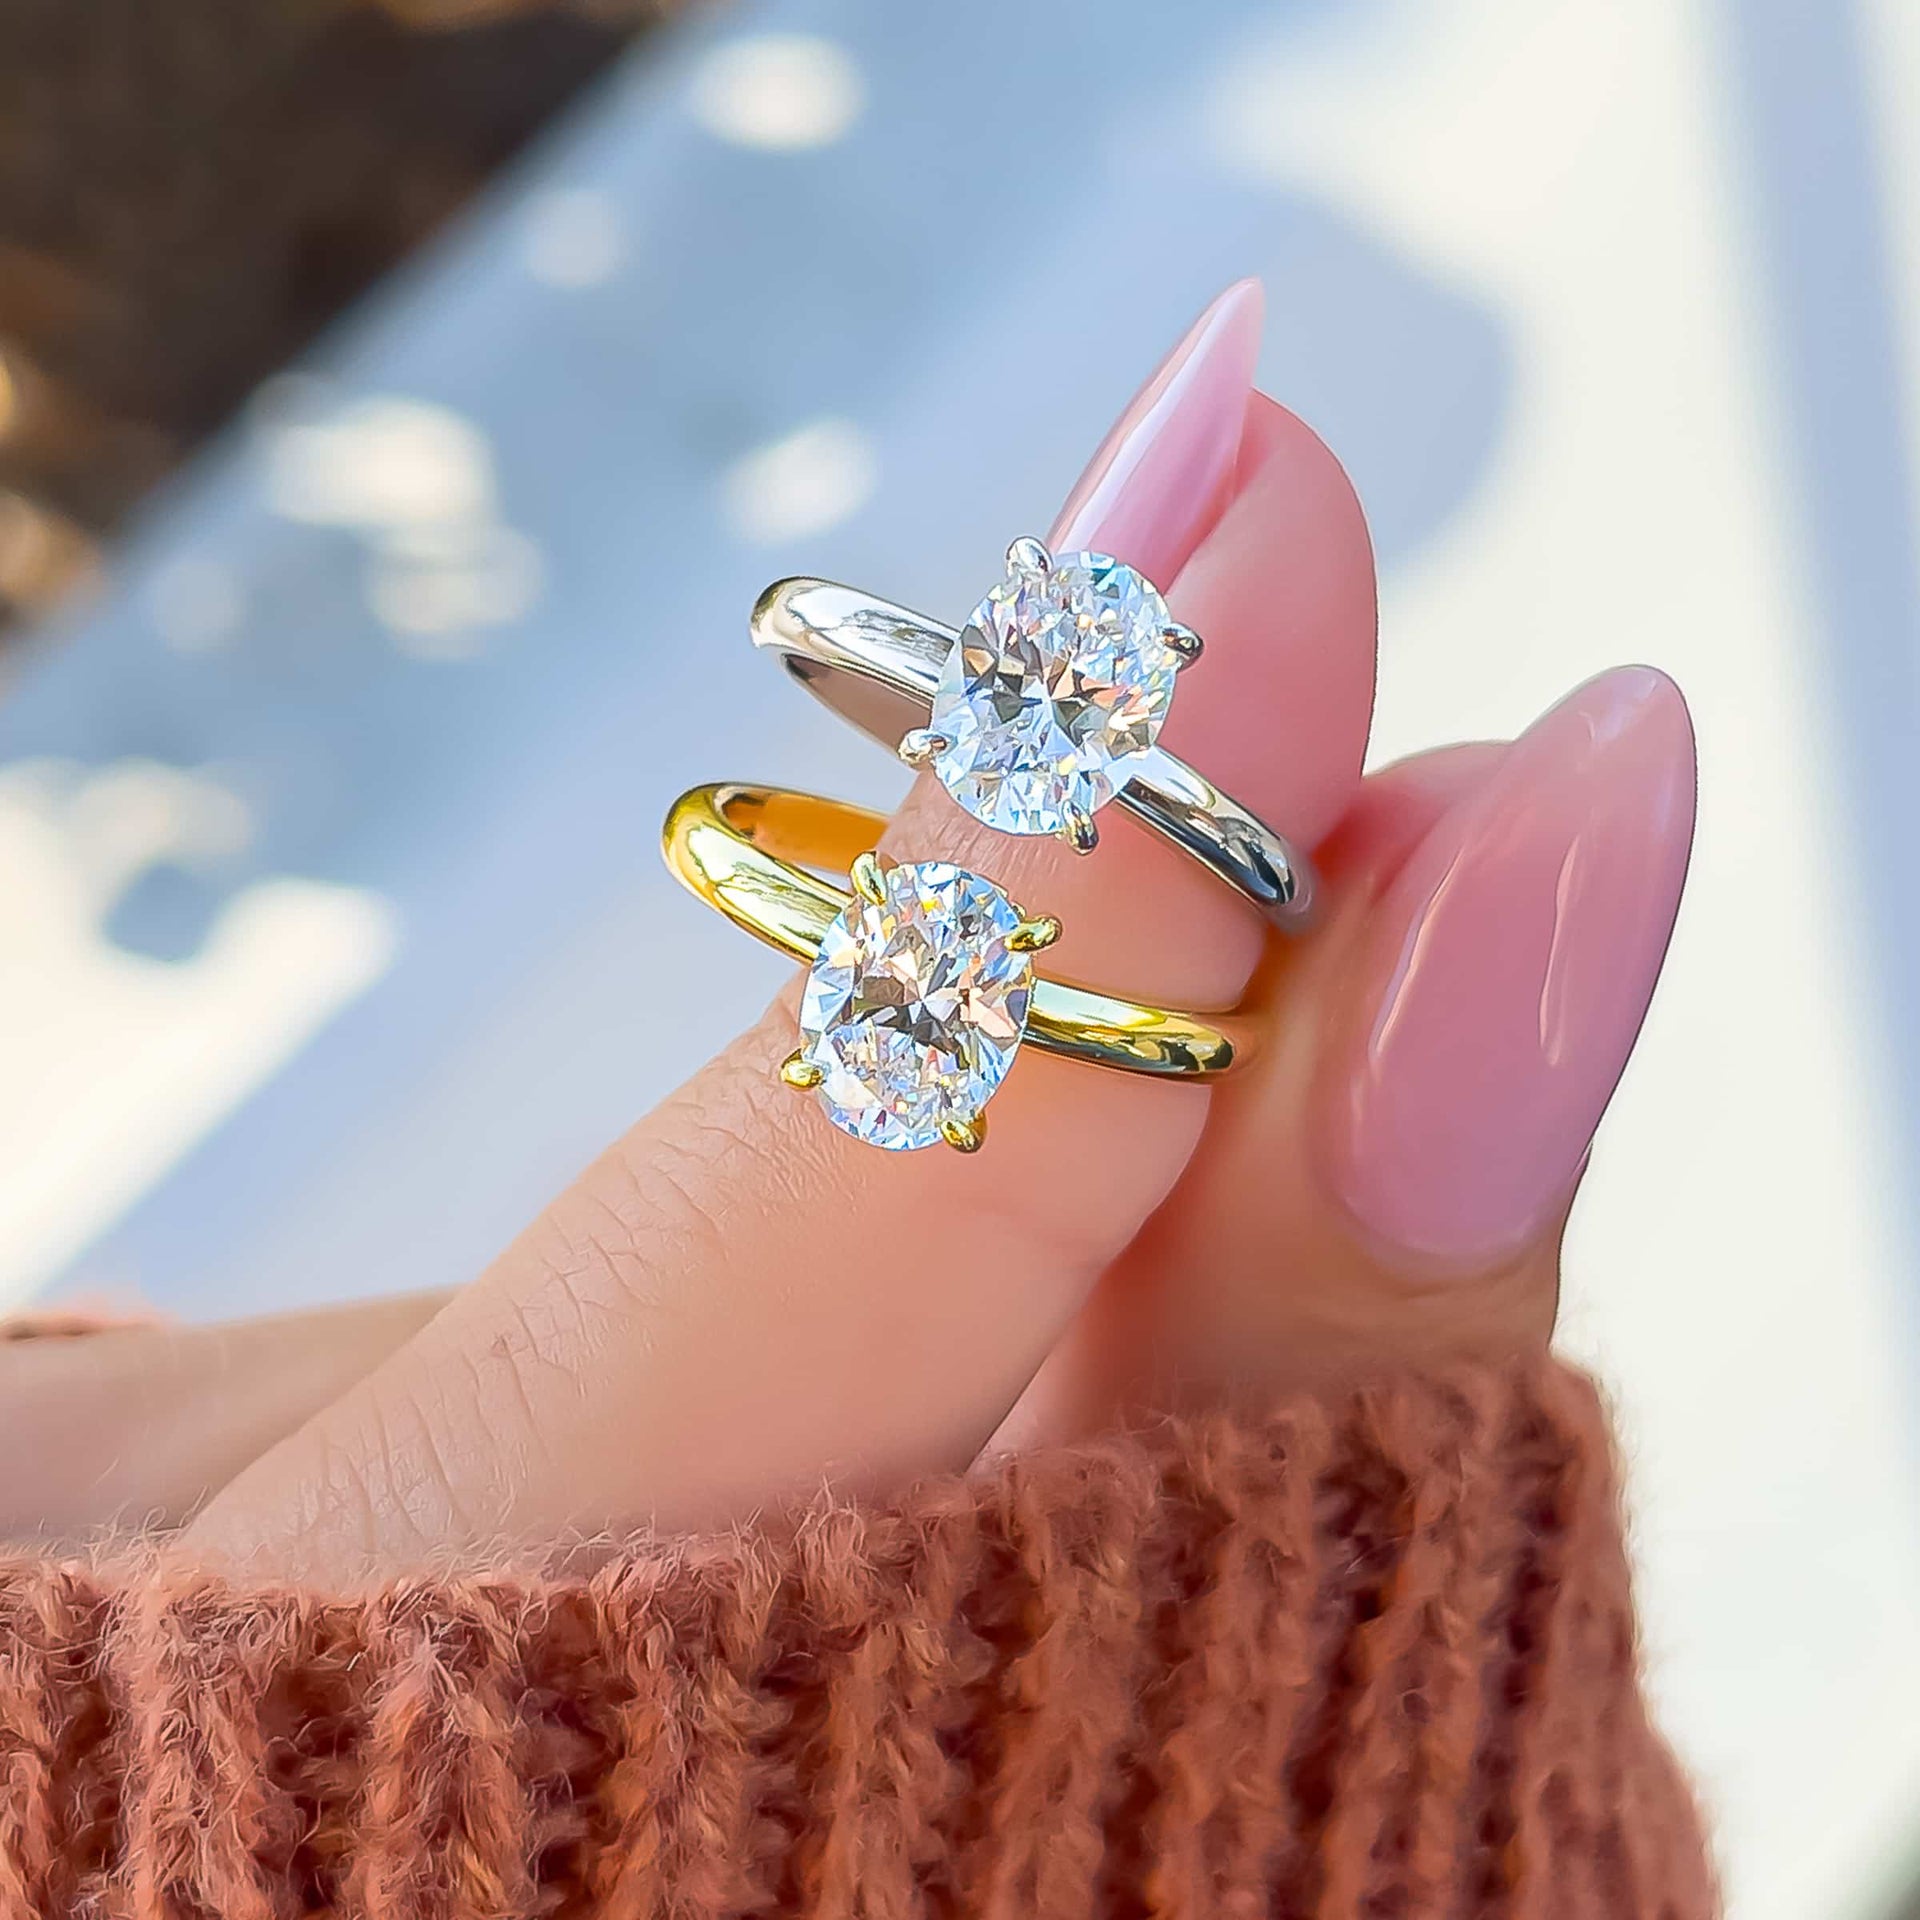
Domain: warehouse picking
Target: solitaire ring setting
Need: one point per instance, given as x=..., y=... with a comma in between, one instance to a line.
x=1046, y=706
x=921, y=987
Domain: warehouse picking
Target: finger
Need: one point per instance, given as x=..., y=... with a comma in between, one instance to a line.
x=1393, y=1178
x=135, y=1426
x=1155, y=1332
x=738, y=1300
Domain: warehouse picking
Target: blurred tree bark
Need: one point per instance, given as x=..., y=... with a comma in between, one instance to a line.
x=190, y=190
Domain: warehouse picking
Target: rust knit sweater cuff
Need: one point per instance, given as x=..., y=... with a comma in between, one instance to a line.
x=1370, y=1655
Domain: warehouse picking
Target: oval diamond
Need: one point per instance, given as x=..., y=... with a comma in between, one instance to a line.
x=915, y=1007
x=1061, y=676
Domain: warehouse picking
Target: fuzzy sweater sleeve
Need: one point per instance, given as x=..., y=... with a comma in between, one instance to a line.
x=1371, y=1655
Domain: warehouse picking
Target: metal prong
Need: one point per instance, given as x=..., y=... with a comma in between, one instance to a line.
x=1080, y=833
x=923, y=745
x=800, y=1073
x=1031, y=935
x=1027, y=555
x=869, y=878
x=965, y=1136
x=1185, y=642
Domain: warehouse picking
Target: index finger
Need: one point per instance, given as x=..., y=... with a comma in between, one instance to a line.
x=737, y=1300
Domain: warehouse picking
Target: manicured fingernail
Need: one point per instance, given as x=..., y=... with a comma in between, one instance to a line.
x=1163, y=473
x=1515, y=955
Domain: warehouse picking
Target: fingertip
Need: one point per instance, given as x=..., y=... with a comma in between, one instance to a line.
x=1287, y=578
x=1505, y=979
x=1650, y=705
x=1168, y=463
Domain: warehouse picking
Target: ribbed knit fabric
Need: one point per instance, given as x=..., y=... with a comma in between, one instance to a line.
x=1372, y=1655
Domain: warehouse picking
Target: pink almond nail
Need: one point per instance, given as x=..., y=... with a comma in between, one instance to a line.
x=1163, y=472
x=1518, y=950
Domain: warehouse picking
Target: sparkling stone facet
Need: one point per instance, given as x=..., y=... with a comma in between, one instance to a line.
x=1059, y=679
x=915, y=1007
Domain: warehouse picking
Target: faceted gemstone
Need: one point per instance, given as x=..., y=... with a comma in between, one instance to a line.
x=1059, y=679
x=915, y=1007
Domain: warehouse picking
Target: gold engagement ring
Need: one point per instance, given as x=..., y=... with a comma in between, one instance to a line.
x=920, y=982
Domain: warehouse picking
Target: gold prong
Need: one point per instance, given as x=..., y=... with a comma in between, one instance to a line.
x=869, y=878
x=1028, y=555
x=1080, y=833
x=799, y=1072
x=1185, y=642
x=965, y=1136
x=923, y=745
x=1031, y=935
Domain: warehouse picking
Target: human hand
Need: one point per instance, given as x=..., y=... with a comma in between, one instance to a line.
x=737, y=1303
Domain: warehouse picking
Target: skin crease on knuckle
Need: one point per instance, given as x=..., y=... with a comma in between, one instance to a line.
x=368, y=1487
x=650, y=1206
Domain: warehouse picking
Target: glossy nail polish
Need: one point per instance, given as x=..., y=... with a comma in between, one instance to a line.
x=1512, y=962
x=1163, y=472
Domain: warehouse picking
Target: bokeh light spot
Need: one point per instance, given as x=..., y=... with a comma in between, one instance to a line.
x=574, y=238
x=785, y=92
x=802, y=484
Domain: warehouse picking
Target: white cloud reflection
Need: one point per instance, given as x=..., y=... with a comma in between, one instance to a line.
x=118, y=1063
x=785, y=92
x=416, y=482
x=801, y=484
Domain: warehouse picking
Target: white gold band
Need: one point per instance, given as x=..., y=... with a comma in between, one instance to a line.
x=879, y=666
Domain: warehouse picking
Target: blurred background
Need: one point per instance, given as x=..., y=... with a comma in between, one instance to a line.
x=401, y=404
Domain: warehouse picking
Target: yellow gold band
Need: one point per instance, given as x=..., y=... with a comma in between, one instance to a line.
x=749, y=852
